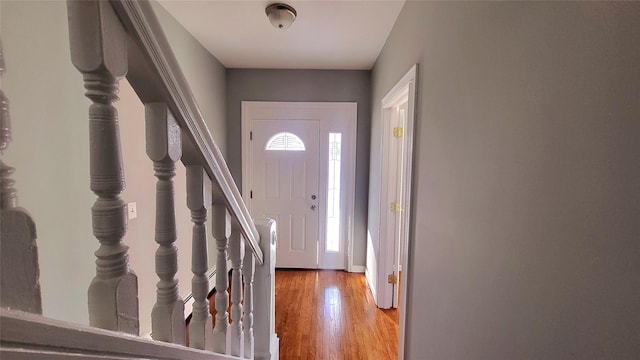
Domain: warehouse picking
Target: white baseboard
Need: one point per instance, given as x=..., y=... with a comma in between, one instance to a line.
x=371, y=288
x=357, y=268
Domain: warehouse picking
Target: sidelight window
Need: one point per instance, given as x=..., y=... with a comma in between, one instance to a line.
x=333, y=193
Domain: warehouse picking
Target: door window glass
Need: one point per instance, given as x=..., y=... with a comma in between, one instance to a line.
x=333, y=193
x=285, y=141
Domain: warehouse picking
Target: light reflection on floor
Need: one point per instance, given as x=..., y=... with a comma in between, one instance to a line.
x=332, y=315
x=332, y=302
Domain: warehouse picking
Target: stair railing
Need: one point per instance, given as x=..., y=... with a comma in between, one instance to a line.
x=110, y=40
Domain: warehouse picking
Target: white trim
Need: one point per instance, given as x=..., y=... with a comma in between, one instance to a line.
x=350, y=227
x=371, y=286
x=402, y=90
x=349, y=130
x=358, y=269
x=405, y=88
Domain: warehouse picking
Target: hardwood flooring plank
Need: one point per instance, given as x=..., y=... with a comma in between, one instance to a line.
x=323, y=314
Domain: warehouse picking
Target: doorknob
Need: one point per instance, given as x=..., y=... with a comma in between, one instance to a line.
x=313, y=207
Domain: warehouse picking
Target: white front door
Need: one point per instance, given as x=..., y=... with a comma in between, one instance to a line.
x=284, y=186
x=298, y=167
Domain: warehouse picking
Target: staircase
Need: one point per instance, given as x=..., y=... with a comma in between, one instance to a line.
x=110, y=40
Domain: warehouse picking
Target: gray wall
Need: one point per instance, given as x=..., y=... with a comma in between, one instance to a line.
x=50, y=152
x=306, y=85
x=526, y=236
x=205, y=74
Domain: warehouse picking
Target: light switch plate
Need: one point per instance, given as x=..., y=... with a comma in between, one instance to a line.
x=132, y=212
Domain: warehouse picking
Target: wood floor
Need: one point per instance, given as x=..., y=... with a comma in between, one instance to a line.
x=331, y=315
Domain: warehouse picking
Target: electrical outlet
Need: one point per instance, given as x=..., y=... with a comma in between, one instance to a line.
x=132, y=213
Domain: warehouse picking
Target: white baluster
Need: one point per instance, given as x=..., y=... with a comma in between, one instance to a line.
x=248, y=269
x=19, y=268
x=221, y=232
x=164, y=148
x=113, y=293
x=236, y=247
x=198, y=201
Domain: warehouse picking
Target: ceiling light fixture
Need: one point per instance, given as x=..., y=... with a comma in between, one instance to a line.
x=281, y=15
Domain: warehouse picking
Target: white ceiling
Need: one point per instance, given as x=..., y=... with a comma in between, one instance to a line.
x=342, y=34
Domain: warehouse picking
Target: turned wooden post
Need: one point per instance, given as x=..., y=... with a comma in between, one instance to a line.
x=221, y=232
x=164, y=148
x=19, y=270
x=198, y=201
x=236, y=337
x=98, y=51
x=248, y=269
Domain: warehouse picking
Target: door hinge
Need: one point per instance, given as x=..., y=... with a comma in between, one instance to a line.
x=251, y=194
x=250, y=135
x=397, y=131
x=395, y=207
x=392, y=278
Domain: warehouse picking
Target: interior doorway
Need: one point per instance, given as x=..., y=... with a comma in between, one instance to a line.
x=298, y=162
x=389, y=276
x=398, y=171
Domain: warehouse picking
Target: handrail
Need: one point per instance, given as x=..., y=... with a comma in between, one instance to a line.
x=156, y=76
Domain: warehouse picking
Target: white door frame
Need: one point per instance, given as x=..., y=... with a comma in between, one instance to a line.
x=344, y=121
x=405, y=88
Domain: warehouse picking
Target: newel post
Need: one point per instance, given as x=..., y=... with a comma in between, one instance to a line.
x=266, y=340
x=98, y=50
x=164, y=148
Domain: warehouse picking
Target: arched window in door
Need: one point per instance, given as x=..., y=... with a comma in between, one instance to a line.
x=285, y=141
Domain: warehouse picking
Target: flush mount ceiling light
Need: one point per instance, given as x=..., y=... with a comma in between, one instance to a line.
x=281, y=15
